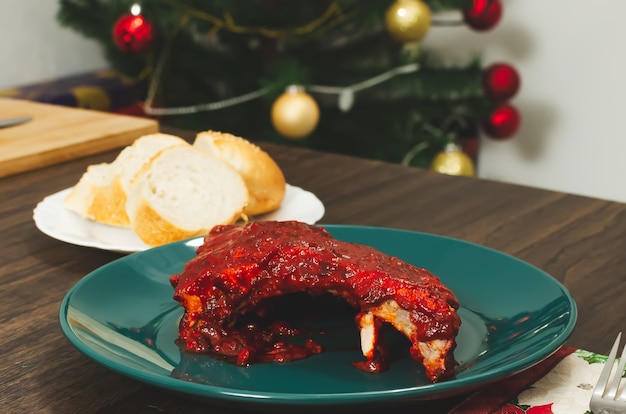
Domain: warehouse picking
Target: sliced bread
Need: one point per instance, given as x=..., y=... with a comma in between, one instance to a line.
x=263, y=177
x=132, y=158
x=85, y=197
x=100, y=194
x=183, y=192
x=124, y=168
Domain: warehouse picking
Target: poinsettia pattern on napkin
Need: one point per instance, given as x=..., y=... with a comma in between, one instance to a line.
x=566, y=389
x=562, y=384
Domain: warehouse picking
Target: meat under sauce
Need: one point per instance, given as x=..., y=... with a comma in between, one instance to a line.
x=238, y=267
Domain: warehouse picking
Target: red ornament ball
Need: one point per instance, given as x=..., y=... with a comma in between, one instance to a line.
x=501, y=82
x=503, y=122
x=483, y=14
x=133, y=34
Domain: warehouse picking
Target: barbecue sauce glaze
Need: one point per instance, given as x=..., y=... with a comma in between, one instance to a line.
x=239, y=266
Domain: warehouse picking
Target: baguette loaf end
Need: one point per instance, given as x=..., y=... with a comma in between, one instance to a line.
x=263, y=177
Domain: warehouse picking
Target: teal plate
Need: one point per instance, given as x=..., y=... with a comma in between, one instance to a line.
x=513, y=315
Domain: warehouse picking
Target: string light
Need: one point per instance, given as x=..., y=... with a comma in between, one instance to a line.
x=135, y=9
x=331, y=16
x=345, y=93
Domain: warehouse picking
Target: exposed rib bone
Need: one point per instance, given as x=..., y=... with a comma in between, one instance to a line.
x=432, y=353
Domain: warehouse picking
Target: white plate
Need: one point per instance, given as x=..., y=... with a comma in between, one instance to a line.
x=53, y=219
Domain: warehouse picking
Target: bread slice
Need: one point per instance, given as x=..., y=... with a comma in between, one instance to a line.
x=132, y=158
x=183, y=192
x=124, y=168
x=85, y=198
x=263, y=177
x=100, y=194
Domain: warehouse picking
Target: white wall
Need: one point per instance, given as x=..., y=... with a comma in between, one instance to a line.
x=570, y=55
x=572, y=60
x=35, y=48
x=573, y=137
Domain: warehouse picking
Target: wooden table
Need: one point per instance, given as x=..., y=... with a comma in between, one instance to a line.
x=580, y=241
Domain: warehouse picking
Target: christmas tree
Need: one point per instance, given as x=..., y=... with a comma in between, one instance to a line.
x=345, y=76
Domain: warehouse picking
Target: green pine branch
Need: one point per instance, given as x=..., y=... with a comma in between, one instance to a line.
x=208, y=62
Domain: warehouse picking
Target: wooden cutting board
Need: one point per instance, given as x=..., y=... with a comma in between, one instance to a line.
x=59, y=133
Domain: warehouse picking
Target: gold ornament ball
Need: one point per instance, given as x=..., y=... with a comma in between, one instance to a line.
x=453, y=161
x=408, y=20
x=295, y=114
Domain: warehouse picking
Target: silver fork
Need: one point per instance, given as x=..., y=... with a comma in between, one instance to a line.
x=606, y=398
